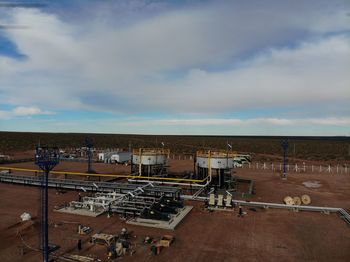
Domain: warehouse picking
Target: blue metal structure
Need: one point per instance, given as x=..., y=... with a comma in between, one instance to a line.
x=285, y=157
x=89, y=145
x=46, y=158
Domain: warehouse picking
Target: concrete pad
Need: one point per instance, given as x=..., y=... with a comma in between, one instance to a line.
x=170, y=225
x=80, y=212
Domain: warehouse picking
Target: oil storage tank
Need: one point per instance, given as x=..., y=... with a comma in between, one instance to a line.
x=150, y=161
x=217, y=164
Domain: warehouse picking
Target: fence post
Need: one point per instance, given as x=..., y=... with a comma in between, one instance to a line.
x=329, y=168
x=264, y=167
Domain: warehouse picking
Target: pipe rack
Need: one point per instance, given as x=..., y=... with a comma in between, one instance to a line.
x=94, y=186
x=134, y=176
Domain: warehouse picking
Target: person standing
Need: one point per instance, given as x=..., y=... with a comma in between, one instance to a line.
x=240, y=211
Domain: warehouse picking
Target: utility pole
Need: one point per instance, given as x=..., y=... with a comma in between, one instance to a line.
x=284, y=144
x=46, y=158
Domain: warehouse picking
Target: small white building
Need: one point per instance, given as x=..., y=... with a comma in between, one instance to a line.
x=121, y=157
x=114, y=157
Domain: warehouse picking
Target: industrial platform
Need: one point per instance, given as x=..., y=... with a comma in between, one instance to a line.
x=80, y=212
x=170, y=225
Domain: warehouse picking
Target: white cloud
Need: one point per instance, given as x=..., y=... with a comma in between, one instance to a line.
x=313, y=73
x=329, y=121
x=22, y=111
x=158, y=63
x=26, y=111
x=194, y=126
x=237, y=122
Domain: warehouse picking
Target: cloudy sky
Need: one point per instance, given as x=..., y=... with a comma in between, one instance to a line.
x=176, y=67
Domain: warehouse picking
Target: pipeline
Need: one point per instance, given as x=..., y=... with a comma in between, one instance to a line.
x=186, y=184
x=340, y=211
x=139, y=178
x=132, y=176
x=177, y=183
x=93, y=186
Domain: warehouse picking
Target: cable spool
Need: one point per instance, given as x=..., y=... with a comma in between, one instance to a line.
x=288, y=200
x=297, y=201
x=305, y=199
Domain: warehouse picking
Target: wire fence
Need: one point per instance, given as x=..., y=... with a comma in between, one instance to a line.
x=299, y=168
x=278, y=167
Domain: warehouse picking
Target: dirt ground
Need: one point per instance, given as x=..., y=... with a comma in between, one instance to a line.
x=262, y=235
x=333, y=190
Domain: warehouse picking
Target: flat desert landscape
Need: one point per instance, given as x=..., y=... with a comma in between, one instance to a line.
x=261, y=235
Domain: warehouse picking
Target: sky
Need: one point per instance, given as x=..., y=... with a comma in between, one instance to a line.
x=176, y=67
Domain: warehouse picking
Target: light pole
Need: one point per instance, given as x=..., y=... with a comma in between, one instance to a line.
x=46, y=158
x=89, y=146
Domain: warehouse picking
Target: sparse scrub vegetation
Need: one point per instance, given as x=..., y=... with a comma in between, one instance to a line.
x=308, y=148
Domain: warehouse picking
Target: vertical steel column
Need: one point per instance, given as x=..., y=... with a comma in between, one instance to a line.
x=89, y=145
x=285, y=157
x=46, y=158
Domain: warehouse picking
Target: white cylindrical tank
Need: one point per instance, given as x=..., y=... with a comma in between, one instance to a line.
x=218, y=159
x=150, y=156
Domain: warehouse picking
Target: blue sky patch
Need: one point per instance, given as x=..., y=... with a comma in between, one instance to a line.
x=8, y=48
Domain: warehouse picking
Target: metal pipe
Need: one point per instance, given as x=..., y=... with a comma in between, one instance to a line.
x=170, y=183
x=176, y=183
x=194, y=182
x=185, y=184
x=342, y=212
x=108, y=175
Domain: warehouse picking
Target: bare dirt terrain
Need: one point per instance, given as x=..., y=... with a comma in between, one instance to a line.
x=262, y=235
x=333, y=190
